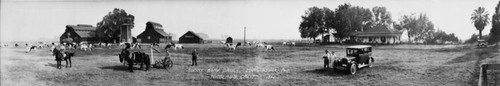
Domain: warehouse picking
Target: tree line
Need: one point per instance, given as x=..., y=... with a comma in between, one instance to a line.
x=347, y=19
x=480, y=19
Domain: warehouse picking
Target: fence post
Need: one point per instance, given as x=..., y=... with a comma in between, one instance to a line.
x=152, y=56
x=483, y=75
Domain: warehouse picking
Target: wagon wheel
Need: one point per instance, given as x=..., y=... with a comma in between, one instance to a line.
x=170, y=64
x=167, y=63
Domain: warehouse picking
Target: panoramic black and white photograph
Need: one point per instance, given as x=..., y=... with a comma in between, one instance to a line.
x=249, y=42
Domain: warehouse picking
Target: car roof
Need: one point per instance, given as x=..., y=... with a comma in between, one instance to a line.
x=359, y=46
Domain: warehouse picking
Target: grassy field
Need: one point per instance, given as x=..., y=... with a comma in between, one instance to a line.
x=427, y=65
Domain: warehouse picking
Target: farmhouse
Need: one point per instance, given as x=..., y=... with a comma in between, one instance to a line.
x=154, y=33
x=229, y=40
x=79, y=33
x=378, y=35
x=190, y=37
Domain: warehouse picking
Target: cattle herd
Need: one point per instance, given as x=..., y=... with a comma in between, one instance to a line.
x=64, y=51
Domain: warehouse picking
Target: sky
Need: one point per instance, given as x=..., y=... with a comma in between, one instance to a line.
x=29, y=20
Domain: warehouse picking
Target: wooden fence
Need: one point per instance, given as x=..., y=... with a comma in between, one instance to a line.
x=483, y=78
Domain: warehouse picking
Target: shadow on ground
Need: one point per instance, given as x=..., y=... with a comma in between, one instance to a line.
x=476, y=55
x=328, y=72
x=122, y=68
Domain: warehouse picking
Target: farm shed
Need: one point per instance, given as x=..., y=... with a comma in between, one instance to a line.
x=378, y=35
x=229, y=40
x=79, y=33
x=154, y=33
x=190, y=37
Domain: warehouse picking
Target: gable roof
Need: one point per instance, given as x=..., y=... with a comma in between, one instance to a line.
x=81, y=27
x=379, y=31
x=156, y=27
x=84, y=31
x=161, y=32
x=191, y=32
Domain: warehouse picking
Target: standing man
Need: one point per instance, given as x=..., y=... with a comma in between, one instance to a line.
x=326, y=59
x=126, y=56
x=195, y=56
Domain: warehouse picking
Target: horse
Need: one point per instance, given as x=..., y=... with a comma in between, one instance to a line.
x=137, y=58
x=231, y=46
x=60, y=56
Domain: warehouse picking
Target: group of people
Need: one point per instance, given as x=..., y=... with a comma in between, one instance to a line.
x=127, y=53
x=328, y=57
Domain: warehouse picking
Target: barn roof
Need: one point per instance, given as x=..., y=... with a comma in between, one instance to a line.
x=379, y=31
x=155, y=23
x=161, y=32
x=157, y=27
x=82, y=27
x=193, y=34
x=84, y=31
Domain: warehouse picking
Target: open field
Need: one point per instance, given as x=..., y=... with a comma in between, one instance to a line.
x=407, y=65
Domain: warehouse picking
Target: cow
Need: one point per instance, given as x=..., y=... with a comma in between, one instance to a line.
x=269, y=47
x=85, y=47
x=30, y=48
x=232, y=46
x=173, y=45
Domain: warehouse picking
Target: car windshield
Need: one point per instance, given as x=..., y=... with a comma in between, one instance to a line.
x=352, y=51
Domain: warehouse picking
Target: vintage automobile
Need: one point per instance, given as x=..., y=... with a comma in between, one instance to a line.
x=357, y=57
x=482, y=43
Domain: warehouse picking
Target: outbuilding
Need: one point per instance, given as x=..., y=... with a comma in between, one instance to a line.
x=79, y=33
x=154, y=33
x=190, y=37
x=229, y=40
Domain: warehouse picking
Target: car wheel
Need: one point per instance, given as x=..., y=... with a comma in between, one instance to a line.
x=352, y=69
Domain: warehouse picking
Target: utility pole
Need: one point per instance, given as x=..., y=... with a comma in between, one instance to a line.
x=245, y=36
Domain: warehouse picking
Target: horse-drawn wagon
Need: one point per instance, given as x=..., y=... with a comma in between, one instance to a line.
x=141, y=58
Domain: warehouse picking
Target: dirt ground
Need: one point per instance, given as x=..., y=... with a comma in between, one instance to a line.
x=407, y=65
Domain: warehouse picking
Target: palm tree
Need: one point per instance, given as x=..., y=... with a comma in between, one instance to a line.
x=480, y=19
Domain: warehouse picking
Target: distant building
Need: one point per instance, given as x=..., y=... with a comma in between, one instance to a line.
x=79, y=33
x=190, y=37
x=229, y=40
x=378, y=35
x=154, y=33
x=329, y=37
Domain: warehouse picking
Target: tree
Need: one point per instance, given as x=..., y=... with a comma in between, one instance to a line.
x=315, y=22
x=109, y=27
x=419, y=28
x=349, y=19
x=381, y=16
x=495, y=26
x=442, y=37
x=480, y=19
x=474, y=38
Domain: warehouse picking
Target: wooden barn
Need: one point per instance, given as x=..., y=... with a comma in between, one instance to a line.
x=190, y=37
x=79, y=33
x=154, y=33
x=229, y=40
